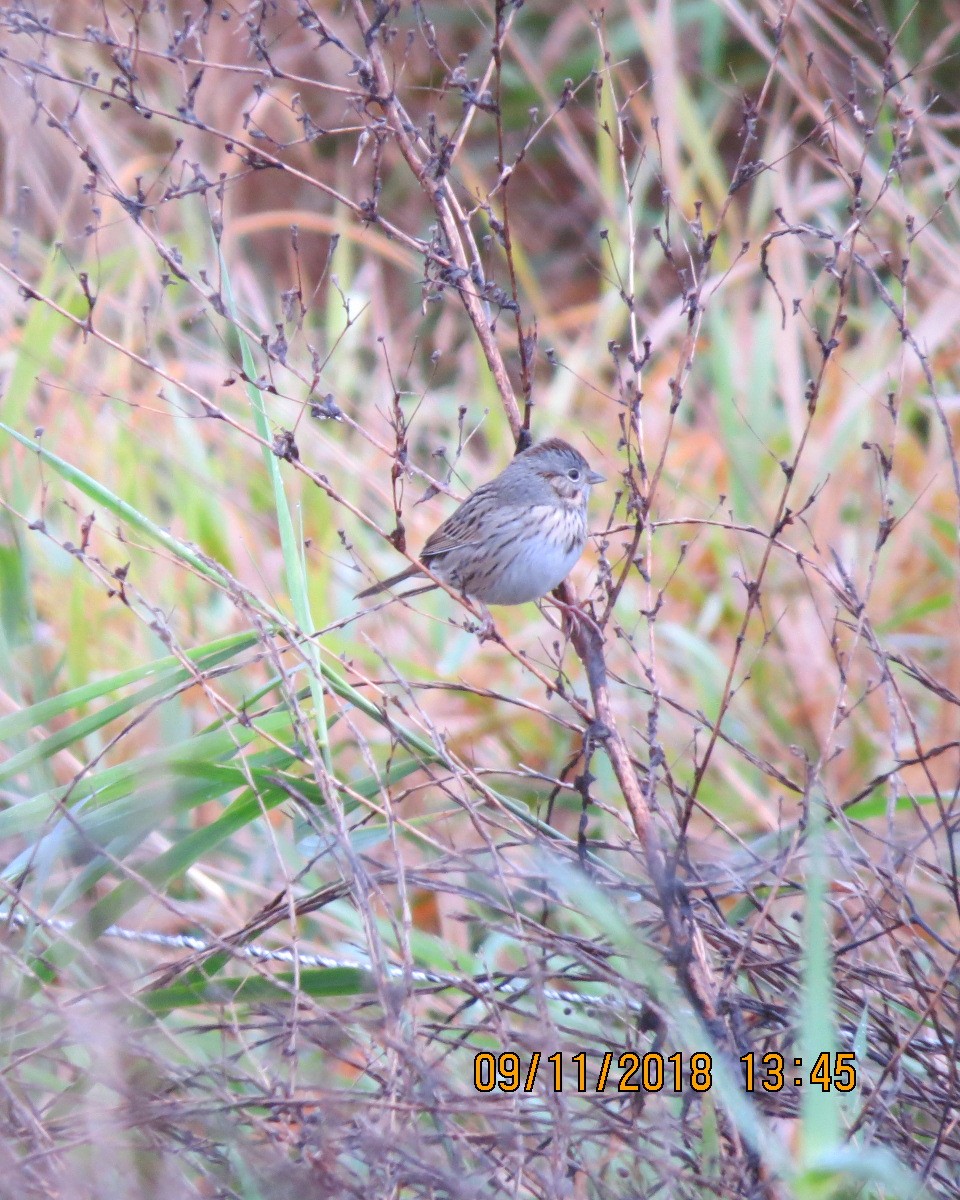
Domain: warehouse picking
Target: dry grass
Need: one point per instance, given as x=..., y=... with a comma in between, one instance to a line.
x=716, y=246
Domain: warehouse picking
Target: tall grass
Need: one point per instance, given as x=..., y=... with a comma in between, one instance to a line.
x=287, y=877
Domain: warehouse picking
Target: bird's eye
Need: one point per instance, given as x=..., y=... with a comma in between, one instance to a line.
x=574, y=474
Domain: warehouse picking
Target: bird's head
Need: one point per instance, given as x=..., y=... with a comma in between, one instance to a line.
x=563, y=468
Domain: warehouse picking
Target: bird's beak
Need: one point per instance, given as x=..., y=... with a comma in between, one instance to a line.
x=595, y=477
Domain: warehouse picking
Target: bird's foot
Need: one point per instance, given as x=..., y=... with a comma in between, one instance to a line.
x=485, y=629
x=571, y=614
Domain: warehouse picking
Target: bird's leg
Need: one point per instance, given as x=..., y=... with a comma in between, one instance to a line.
x=571, y=613
x=486, y=631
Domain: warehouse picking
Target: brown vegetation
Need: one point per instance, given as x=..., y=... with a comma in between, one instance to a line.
x=284, y=281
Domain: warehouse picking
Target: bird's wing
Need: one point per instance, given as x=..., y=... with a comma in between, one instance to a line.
x=444, y=539
x=463, y=527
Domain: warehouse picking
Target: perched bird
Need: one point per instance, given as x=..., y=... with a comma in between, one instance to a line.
x=517, y=537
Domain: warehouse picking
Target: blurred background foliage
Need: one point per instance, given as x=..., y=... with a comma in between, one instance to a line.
x=242, y=376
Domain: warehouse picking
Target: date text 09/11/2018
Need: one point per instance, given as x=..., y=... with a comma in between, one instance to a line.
x=653, y=1072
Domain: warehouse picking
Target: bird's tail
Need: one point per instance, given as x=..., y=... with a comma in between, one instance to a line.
x=385, y=586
